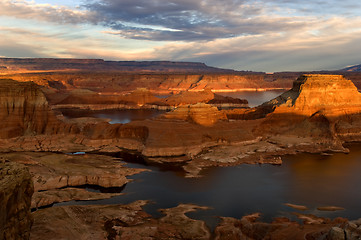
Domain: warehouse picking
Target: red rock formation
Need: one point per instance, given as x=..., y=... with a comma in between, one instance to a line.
x=117, y=222
x=161, y=83
x=332, y=94
x=16, y=189
x=199, y=113
x=24, y=110
x=143, y=98
x=318, y=106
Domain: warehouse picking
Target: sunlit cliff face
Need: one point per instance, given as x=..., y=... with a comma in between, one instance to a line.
x=333, y=95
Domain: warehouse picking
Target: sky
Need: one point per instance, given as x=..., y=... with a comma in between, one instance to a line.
x=263, y=35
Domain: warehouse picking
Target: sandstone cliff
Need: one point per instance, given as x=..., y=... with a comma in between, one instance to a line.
x=24, y=110
x=16, y=189
x=311, y=93
x=160, y=83
x=325, y=107
x=199, y=113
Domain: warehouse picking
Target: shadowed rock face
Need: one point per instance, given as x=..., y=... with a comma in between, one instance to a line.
x=24, y=110
x=16, y=189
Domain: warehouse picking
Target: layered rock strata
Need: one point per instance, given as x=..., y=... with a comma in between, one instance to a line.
x=24, y=110
x=313, y=93
x=16, y=189
x=143, y=98
x=187, y=133
x=55, y=175
x=200, y=113
x=318, y=106
x=159, y=83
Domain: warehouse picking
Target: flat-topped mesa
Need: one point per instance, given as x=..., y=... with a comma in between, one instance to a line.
x=24, y=110
x=332, y=94
x=55, y=64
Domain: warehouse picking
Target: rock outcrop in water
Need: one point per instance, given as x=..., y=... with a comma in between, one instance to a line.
x=16, y=189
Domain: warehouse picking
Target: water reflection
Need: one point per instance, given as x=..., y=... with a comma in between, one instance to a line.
x=254, y=98
x=316, y=180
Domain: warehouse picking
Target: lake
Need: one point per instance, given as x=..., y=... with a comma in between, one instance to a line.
x=312, y=180
x=254, y=98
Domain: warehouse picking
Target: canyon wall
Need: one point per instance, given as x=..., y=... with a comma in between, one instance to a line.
x=24, y=110
x=158, y=76
x=120, y=82
x=16, y=189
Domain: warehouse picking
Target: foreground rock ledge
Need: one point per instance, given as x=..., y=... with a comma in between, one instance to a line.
x=116, y=222
x=16, y=189
x=54, y=175
x=132, y=222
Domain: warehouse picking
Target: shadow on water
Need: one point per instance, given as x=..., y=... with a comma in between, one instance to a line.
x=134, y=159
x=115, y=115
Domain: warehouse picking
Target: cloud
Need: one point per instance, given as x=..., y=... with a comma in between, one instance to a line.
x=183, y=20
x=35, y=42
x=332, y=46
x=188, y=20
x=45, y=12
x=263, y=35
